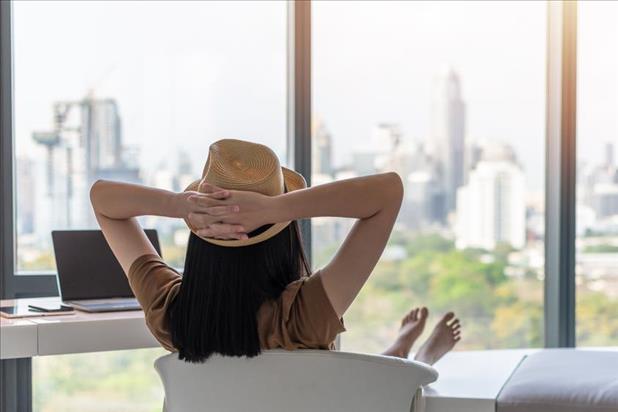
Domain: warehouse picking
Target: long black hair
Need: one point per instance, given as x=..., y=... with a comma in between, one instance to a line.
x=223, y=288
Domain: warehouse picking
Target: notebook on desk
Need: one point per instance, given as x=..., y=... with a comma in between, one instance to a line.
x=89, y=276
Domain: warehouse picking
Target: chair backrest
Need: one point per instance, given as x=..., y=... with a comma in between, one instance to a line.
x=299, y=381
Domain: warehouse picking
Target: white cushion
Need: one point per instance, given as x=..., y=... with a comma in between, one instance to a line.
x=563, y=380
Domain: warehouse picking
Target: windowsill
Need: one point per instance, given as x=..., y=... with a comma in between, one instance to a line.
x=472, y=380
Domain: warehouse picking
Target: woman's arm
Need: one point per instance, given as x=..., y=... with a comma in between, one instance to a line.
x=116, y=206
x=360, y=197
x=373, y=200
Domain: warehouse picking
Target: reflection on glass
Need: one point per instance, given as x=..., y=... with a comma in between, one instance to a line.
x=596, y=267
x=451, y=96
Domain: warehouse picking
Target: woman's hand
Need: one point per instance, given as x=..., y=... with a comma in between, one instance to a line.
x=202, y=210
x=241, y=209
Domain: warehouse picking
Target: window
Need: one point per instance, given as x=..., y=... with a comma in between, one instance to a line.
x=596, y=266
x=113, y=381
x=452, y=96
x=449, y=94
x=134, y=91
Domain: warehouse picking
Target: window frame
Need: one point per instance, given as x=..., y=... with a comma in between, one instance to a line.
x=559, y=289
x=16, y=374
x=560, y=174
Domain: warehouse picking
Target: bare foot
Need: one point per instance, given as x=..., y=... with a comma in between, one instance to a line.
x=412, y=326
x=444, y=336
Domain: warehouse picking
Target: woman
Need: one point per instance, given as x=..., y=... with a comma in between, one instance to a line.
x=246, y=284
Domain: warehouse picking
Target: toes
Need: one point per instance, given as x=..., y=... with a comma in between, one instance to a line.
x=447, y=317
x=422, y=314
x=454, y=323
x=411, y=316
x=456, y=335
x=456, y=327
x=407, y=318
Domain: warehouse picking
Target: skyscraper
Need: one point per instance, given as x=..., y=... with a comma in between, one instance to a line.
x=491, y=208
x=84, y=145
x=391, y=154
x=605, y=200
x=605, y=190
x=423, y=200
x=448, y=133
x=322, y=162
x=598, y=185
x=101, y=133
x=26, y=195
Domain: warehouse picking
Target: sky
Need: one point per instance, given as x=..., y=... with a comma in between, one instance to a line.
x=188, y=73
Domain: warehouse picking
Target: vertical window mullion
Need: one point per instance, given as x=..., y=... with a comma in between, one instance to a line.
x=560, y=175
x=7, y=267
x=15, y=374
x=299, y=97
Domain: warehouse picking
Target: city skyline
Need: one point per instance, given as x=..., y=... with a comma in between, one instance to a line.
x=204, y=90
x=177, y=92
x=92, y=144
x=451, y=95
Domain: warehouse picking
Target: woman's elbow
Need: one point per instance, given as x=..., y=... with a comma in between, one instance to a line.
x=95, y=190
x=393, y=187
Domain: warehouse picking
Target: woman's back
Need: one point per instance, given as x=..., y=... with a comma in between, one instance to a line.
x=244, y=286
x=301, y=317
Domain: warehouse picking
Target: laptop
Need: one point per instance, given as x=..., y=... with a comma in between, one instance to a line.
x=89, y=276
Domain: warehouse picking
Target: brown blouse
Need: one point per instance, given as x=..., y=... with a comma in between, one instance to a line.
x=301, y=318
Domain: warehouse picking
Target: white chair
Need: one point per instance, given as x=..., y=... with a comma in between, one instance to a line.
x=294, y=381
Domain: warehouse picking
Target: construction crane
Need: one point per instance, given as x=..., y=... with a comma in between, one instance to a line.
x=52, y=140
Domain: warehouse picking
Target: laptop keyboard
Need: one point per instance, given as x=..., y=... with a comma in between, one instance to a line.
x=106, y=305
x=119, y=301
x=110, y=306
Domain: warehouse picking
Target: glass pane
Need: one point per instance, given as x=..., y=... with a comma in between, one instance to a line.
x=451, y=95
x=135, y=91
x=597, y=174
x=106, y=381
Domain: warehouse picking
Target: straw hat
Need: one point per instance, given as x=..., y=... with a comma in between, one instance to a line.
x=239, y=165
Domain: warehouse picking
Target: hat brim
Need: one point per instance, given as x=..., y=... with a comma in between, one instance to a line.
x=293, y=181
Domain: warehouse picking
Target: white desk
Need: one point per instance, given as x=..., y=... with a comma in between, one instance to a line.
x=75, y=333
x=18, y=338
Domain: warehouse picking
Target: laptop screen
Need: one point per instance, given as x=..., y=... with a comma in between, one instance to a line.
x=87, y=268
